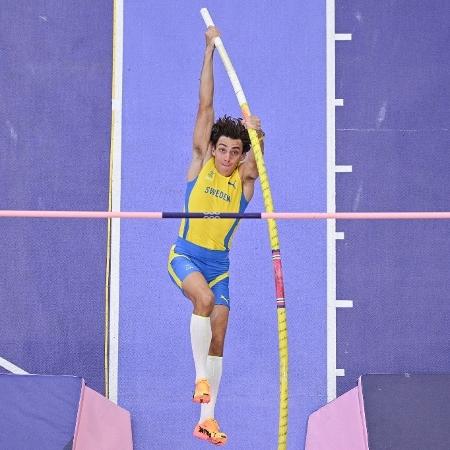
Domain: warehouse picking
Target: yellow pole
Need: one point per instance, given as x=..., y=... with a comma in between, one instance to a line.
x=274, y=243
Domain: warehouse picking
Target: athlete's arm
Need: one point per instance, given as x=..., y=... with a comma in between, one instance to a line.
x=249, y=169
x=205, y=113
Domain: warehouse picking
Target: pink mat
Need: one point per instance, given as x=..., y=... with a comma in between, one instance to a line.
x=339, y=425
x=101, y=424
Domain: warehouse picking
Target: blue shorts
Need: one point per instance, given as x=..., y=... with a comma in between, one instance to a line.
x=185, y=258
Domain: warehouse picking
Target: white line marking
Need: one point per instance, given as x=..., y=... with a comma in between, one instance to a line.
x=12, y=367
x=116, y=104
x=338, y=102
x=343, y=169
x=343, y=36
x=331, y=202
x=116, y=194
x=344, y=303
x=340, y=372
x=339, y=235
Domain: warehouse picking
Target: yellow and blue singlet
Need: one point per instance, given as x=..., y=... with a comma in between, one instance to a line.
x=203, y=244
x=212, y=192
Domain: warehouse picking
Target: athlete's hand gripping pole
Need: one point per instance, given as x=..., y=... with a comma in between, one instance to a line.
x=273, y=233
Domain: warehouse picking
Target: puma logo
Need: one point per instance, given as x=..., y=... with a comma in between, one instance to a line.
x=204, y=431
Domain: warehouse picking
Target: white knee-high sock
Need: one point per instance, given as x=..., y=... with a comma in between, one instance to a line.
x=214, y=374
x=200, y=341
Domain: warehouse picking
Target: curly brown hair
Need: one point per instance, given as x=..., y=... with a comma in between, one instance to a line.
x=232, y=128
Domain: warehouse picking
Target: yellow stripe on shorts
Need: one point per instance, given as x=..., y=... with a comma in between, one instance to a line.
x=217, y=279
x=172, y=273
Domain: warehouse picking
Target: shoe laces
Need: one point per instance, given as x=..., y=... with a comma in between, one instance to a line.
x=214, y=422
x=201, y=381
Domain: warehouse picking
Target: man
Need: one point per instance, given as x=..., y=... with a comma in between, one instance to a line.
x=221, y=178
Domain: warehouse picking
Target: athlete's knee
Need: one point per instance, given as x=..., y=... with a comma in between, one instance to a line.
x=204, y=303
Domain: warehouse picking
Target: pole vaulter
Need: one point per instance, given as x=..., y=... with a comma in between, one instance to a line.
x=273, y=233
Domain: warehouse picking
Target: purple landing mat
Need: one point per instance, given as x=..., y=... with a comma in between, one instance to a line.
x=407, y=411
x=386, y=412
x=59, y=413
x=38, y=411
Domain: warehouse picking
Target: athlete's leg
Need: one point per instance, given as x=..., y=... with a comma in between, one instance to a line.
x=208, y=428
x=219, y=322
x=197, y=290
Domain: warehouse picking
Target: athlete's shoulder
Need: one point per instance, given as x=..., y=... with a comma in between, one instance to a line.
x=197, y=167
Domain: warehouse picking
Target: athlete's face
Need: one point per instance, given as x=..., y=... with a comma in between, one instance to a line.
x=227, y=155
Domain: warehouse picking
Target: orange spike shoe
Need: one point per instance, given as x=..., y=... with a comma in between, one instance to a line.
x=201, y=392
x=209, y=430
